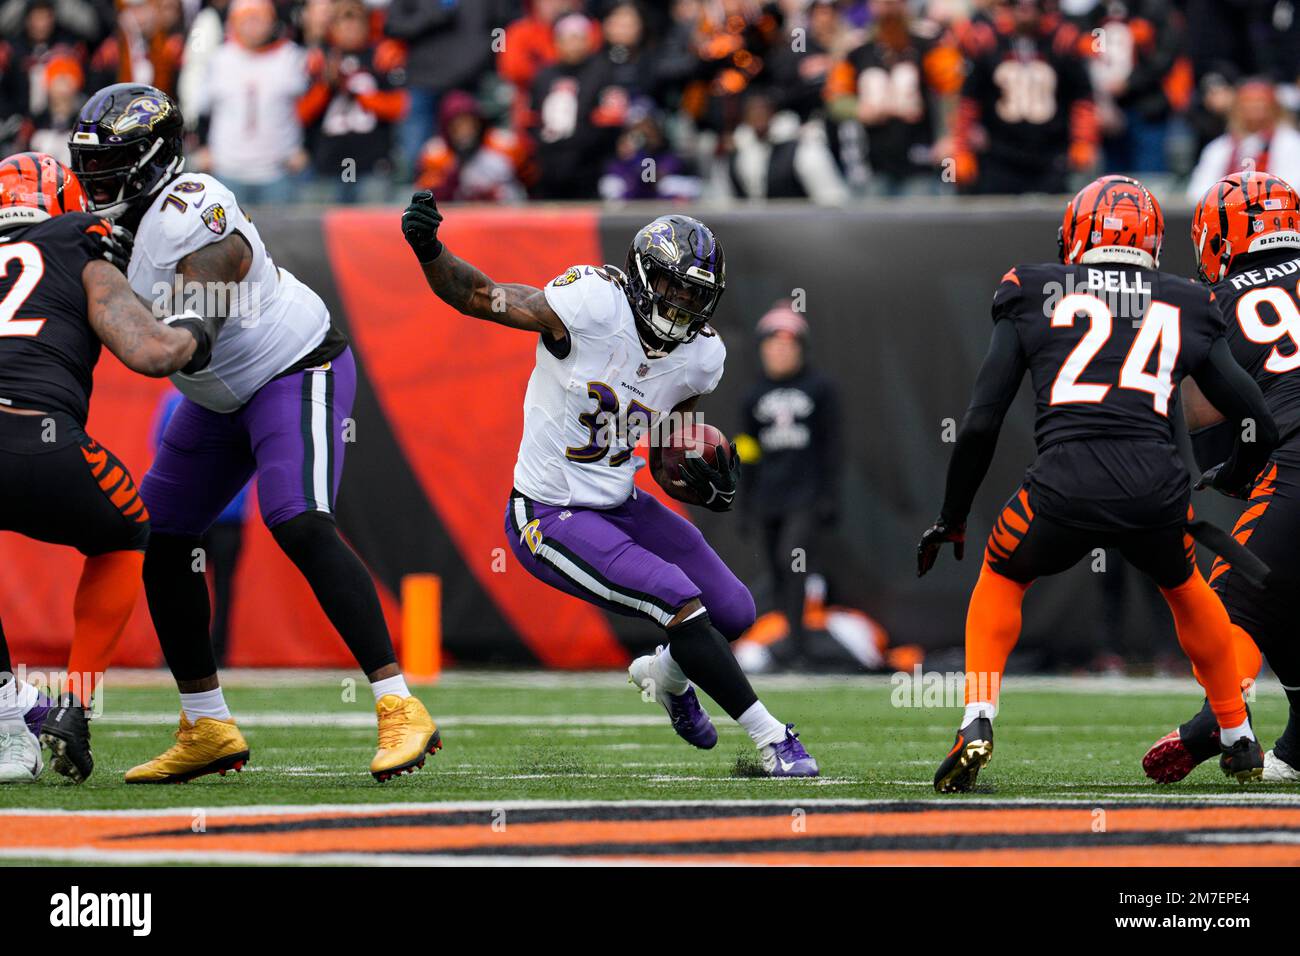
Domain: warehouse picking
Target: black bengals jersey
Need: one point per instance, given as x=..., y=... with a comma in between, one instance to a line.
x=1260, y=303
x=48, y=350
x=1106, y=346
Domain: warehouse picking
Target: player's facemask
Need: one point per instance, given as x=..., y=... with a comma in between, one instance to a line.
x=116, y=177
x=681, y=306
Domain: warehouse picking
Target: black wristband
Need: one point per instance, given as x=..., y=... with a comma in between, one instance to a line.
x=197, y=327
x=422, y=253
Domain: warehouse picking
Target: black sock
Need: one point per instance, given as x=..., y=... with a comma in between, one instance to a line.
x=1287, y=747
x=705, y=658
x=178, y=603
x=341, y=584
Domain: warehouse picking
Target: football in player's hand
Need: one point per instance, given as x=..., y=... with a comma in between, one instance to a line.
x=695, y=441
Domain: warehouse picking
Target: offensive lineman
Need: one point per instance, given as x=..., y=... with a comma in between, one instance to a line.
x=1246, y=231
x=625, y=347
x=1105, y=359
x=59, y=301
x=271, y=404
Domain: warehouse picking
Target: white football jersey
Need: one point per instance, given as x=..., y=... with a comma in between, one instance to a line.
x=584, y=412
x=274, y=321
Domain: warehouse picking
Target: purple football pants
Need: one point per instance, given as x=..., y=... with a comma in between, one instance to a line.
x=639, y=559
x=290, y=435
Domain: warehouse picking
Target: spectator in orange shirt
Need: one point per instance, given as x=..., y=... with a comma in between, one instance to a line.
x=352, y=106
x=471, y=161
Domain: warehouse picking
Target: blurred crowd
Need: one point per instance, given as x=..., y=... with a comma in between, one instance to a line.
x=507, y=100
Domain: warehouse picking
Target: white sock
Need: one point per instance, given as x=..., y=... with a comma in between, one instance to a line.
x=761, y=726
x=1230, y=735
x=28, y=696
x=11, y=691
x=206, y=703
x=390, y=685
x=977, y=710
x=670, y=673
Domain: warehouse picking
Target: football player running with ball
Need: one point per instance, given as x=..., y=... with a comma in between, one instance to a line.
x=628, y=348
x=271, y=403
x=1105, y=360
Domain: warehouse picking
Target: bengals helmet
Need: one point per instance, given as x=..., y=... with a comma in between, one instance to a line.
x=676, y=274
x=1245, y=212
x=35, y=187
x=1112, y=219
x=126, y=146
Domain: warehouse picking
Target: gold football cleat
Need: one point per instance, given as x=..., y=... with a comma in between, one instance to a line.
x=407, y=734
x=206, y=746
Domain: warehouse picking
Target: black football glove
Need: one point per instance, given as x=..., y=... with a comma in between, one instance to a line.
x=715, y=489
x=116, y=247
x=935, y=538
x=1211, y=479
x=420, y=224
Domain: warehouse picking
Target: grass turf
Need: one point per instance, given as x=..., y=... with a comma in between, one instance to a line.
x=512, y=737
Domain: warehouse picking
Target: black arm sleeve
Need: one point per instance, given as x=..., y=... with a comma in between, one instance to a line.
x=1212, y=444
x=1235, y=394
x=995, y=389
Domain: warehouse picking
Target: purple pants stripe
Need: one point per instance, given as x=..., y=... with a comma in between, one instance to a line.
x=289, y=435
x=640, y=559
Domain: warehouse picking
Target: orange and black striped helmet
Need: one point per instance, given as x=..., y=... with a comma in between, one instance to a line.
x=34, y=187
x=1245, y=212
x=1112, y=219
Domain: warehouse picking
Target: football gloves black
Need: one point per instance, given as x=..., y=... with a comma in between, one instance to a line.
x=935, y=538
x=420, y=224
x=1212, y=479
x=116, y=247
x=716, y=490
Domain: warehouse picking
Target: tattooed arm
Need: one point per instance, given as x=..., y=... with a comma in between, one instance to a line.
x=217, y=264
x=125, y=325
x=465, y=288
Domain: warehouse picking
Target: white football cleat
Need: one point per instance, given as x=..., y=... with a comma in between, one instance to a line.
x=1277, y=770
x=20, y=753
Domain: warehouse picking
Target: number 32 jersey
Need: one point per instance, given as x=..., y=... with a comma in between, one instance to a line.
x=1106, y=346
x=592, y=395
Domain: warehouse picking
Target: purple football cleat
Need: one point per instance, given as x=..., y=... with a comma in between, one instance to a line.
x=35, y=717
x=689, y=719
x=788, y=758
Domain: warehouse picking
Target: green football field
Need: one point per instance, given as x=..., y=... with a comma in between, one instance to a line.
x=520, y=739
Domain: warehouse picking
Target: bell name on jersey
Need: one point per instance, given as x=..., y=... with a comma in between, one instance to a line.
x=275, y=320
x=592, y=396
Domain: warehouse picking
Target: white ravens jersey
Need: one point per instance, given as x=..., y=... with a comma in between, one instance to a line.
x=586, y=408
x=274, y=320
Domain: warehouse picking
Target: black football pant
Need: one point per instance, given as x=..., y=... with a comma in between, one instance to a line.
x=1270, y=529
x=1025, y=545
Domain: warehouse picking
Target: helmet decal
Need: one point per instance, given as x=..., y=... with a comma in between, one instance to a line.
x=143, y=111
x=660, y=236
x=1242, y=213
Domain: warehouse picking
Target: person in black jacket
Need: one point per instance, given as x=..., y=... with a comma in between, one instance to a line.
x=791, y=448
x=449, y=47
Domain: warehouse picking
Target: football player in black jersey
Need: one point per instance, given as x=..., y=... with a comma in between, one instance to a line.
x=59, y=302
x=1105, y=339
x=1246, y=231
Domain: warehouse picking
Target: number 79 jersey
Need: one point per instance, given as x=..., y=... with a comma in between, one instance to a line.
x=594, y=394
x=1106, y=346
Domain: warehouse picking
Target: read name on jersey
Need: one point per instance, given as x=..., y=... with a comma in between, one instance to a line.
x=585, y=410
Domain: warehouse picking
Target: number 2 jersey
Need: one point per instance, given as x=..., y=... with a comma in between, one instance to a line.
x=1106, y=346
x=594, y=393
x=48, y=351
x=276, y=323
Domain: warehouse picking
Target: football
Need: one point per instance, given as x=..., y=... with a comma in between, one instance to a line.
x=690, y=441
